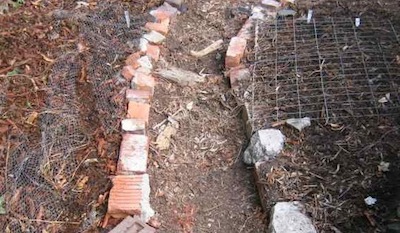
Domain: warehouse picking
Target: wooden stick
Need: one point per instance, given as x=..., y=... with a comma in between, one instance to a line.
x=214, y=46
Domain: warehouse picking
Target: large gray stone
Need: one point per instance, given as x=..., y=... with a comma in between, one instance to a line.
x=265, y=144
x=289, y=217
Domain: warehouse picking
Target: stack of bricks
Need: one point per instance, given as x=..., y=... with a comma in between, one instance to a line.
x=234, y=65
x=236, y=69
x=130, y=193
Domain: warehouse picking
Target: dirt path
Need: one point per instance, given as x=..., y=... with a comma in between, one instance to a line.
x=200, y=184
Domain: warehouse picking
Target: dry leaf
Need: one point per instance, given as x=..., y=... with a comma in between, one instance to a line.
x=163, y=140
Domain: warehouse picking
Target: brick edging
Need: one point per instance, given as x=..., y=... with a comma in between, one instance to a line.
x=130, y=193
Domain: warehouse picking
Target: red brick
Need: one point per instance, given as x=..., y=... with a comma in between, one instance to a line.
x=132, y=60
x=143, y=81
x=126, y=195
x=133, y=225
x=153, y=51
x=133, y=154
x=235, y=52
x=143, y=96
x=139, y=111
x=165, y=11
x=128, y=72
x=161, y=27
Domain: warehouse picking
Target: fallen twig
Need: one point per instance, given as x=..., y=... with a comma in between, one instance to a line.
x=211, y=48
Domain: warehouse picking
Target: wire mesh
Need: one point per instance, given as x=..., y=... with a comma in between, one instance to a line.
x=327, y=69
x=41, y=177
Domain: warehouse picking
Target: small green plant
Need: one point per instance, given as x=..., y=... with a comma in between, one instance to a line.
x=16, y=71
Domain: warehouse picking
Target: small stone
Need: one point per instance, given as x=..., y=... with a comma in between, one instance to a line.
x=145, y=62
x=299, y=123
x=271, y=3
x=235, y=52
x=290, y=217
x=370, y=201
x=154, y=37
x=265, y=144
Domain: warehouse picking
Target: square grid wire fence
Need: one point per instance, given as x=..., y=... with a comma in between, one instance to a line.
x=327, y=69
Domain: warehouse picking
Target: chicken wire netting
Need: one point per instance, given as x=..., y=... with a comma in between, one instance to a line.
x=326, y=69
x=40, y=190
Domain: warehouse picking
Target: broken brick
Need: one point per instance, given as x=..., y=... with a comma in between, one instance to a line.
x=133, y=154
x=143, y=96
x=139, y=111
x=145, y=62
x=132, y=225
x=143, y=81
x=238, y=75
x=245, y=32
x=128, y=72
x=165, y=11
x=130, y=195
x=143, y=44
x=153, y=51
x=132, y=60
x=161, y=27
x=143, y=70
x=235, y=52
x=134, y=125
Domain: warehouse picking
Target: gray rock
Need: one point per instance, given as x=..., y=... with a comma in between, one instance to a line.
x=289, y=217
x=264, y=145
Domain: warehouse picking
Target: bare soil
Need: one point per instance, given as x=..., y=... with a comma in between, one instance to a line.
x=200, y=183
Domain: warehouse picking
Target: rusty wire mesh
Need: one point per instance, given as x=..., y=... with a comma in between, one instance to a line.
x=328, y=69
x=41, y=177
